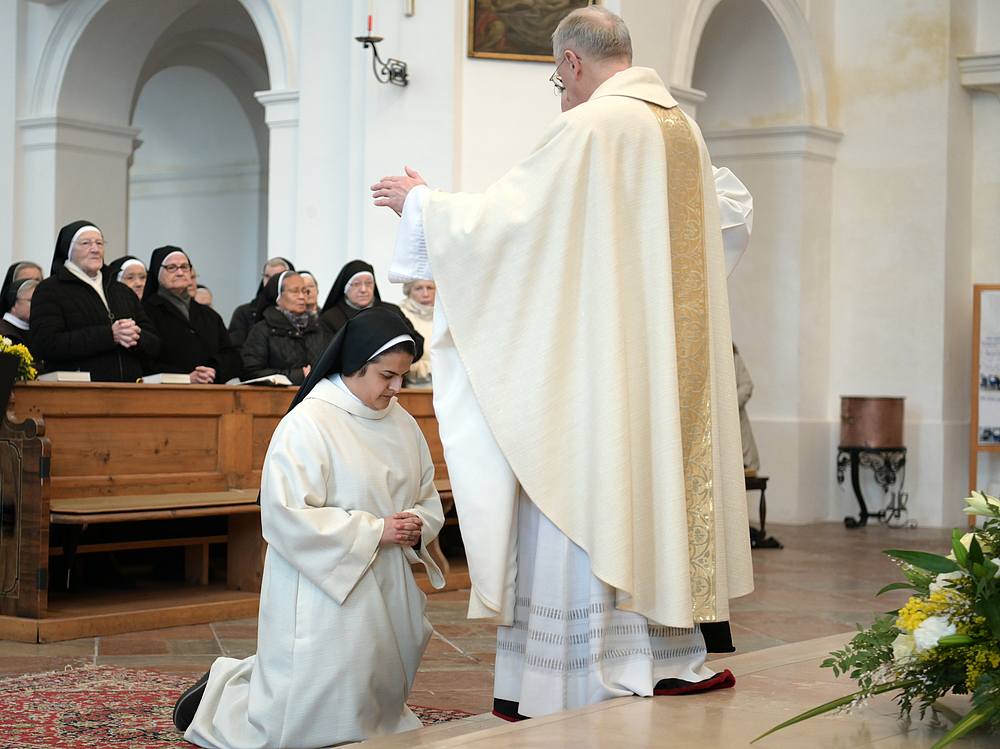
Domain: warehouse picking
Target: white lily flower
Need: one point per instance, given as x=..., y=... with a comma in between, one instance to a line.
x=982, y=504
x=904, y=646
x=940, y=582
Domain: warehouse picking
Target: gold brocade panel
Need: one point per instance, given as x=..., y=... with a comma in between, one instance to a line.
x=685, y=205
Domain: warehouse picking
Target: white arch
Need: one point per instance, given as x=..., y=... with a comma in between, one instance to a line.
x=276, y=41
x=73, y=22
x=793, y=25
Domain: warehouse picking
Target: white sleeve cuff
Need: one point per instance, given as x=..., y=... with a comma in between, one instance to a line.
x=409, y=258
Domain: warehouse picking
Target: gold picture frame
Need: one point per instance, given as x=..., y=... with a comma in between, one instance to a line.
x=517, y=29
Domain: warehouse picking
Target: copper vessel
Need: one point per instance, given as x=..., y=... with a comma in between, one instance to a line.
x=867, y=421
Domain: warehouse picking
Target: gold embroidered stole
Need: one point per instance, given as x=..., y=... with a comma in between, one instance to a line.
x=685, y=206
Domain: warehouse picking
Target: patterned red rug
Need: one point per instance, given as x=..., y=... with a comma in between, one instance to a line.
x=100, y=707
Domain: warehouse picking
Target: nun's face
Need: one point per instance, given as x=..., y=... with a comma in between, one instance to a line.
x=361, y=291
x=28, y=271
x=293, y=296
x=381, y=381
x=175, y=273
x=422, y=292
x=312, y=293
x=135, y=278
x=87, y=252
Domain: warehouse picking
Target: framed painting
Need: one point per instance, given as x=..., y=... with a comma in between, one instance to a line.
x=517, y=29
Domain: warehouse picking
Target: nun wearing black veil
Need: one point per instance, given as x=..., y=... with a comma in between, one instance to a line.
x=354, y=290
x=83, y=319
x=347, y=505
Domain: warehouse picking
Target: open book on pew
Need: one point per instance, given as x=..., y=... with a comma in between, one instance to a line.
x=167, y=378
x=278, y=380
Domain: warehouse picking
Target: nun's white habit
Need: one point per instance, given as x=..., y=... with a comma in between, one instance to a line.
x=341, y=627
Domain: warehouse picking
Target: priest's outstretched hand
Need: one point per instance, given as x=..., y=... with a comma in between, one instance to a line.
x=401, y=529
x=392, y=191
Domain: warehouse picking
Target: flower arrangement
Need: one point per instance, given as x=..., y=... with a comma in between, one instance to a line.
x=945, y=639
x=25, y=369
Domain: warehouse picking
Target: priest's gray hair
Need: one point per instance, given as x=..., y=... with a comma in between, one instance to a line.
x=593, y=32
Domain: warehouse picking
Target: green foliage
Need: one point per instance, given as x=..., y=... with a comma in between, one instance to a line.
x=946, y=638
x=866, y=652
x=931, y=562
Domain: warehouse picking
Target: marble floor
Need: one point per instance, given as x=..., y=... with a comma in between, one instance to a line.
x=820, y=584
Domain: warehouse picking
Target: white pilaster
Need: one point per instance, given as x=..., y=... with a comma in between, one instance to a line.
x=781, y=311
x=281, y=113
x=74, y=169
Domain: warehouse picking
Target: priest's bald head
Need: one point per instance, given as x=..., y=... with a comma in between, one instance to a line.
x=589, y=45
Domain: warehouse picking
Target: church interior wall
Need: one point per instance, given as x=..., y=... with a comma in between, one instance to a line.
x=858, y=277
x=898, y=263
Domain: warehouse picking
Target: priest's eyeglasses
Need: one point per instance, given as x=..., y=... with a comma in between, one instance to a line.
x=556, y=79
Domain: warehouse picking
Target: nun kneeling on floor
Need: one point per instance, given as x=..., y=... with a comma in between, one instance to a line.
x=347, y=504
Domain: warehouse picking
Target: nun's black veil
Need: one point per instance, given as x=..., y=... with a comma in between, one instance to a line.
x=9, y=278
x=64, y=241
x=268, y=296
x=155, y=264
x=353, y=346
x=346, y=274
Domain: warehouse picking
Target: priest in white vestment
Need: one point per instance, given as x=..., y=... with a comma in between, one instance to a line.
x=584, y=385
x=347, y=505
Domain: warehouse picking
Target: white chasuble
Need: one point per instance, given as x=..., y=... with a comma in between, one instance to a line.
x=341, y=628
x=569, y=314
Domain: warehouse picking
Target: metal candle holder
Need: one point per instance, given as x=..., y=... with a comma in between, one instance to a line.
x=392, y=70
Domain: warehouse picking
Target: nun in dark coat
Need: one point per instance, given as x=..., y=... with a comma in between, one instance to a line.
x=83, y=319
x=285, y=339
x=339, y=307
x=194, y=338
x=245, y=315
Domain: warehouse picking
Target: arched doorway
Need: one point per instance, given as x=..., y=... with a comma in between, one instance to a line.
x=199, y=178
x=758, y=67
x=109, y=65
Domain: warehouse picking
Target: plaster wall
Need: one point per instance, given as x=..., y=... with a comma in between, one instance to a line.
x=891, y=241
x=9, y=240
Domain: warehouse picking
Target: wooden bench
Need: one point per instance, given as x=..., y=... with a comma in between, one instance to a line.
x=128, y=452
x=124, y=454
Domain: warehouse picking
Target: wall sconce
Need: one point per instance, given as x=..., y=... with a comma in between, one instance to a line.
x=392, y=70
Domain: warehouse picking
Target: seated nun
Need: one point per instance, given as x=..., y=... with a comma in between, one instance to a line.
x=130, y=271
x=17, y=311
x=194, y=338
x=19, y=270
x=419, y=310
x=285, y=339
x=312, y=293
x=353, y=291
x=83, y=319
x=245, y=315
x=341, y=627
x=203, y=295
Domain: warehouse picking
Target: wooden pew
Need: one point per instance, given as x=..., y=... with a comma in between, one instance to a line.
x=131, y=452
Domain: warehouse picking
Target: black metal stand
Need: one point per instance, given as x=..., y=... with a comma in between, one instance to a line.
x=887, y=464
